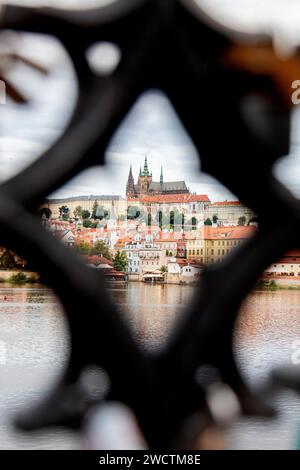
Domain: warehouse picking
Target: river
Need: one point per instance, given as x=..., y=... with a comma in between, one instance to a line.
x=34, y=346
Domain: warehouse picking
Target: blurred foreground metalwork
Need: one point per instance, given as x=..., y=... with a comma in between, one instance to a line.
x=232, y=94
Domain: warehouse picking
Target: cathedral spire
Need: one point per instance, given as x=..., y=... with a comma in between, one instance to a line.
x=161, y=180
x=130, y=189
x=146, y=170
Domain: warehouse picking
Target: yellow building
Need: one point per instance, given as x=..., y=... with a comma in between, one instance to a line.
x=212, y=244
x=195, y=245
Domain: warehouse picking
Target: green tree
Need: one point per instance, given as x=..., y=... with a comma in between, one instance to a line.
x=194, y=223
x=100, y=249
x=7, y=260
x=86, y=214
x=18, y=278
x=120, y=261
x=77, y=212
x=208, y=221
x=242, y=221
x=163, y=269
x=94, y=210
x=64, y=212
x=215, y=218
x=87, y=223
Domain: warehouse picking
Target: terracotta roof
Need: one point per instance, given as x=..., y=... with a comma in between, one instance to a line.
x=225, y=233
x=172, y=198
x=292, y=256
x=96, y=260
x=188, y=262
x=227, y=203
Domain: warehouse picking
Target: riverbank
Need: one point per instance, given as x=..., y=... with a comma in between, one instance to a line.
x=14, y=276
x=277, y=284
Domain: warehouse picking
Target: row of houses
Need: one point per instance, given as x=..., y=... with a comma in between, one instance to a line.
x=177, y=253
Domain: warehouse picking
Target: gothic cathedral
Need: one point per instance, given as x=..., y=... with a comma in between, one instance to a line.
x=147, y=187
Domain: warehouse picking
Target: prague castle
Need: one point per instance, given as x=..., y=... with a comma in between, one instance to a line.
x=145, y=186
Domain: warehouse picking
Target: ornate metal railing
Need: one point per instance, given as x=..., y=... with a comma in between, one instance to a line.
x=222, y=84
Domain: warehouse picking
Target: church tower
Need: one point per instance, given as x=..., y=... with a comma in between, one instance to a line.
x=145, y=179
x=130, y=189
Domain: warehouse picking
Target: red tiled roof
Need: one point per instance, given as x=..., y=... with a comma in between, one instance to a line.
x=225, y=233
x=292, y=256
x=188, y=262
x=227, y=203
x=172, y=198
x=96, y=260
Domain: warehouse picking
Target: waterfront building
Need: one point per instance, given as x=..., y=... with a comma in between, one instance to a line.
x=133, y=259
x=183, y=271
x=219, y=242
x=151, y=259
x=286, y=265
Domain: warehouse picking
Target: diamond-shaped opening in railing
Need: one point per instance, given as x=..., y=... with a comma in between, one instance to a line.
x=149, y=220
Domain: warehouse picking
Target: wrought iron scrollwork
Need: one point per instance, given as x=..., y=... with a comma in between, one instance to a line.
x=239, y=120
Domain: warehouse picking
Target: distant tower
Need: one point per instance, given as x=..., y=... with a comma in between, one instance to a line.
x=130, y=189
x=145, y=179
x=161, y=180
x=146, y=171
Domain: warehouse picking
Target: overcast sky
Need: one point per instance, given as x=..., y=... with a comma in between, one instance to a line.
x=151, y=127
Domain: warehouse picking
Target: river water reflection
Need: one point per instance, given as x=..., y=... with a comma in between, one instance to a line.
x=34, y=338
